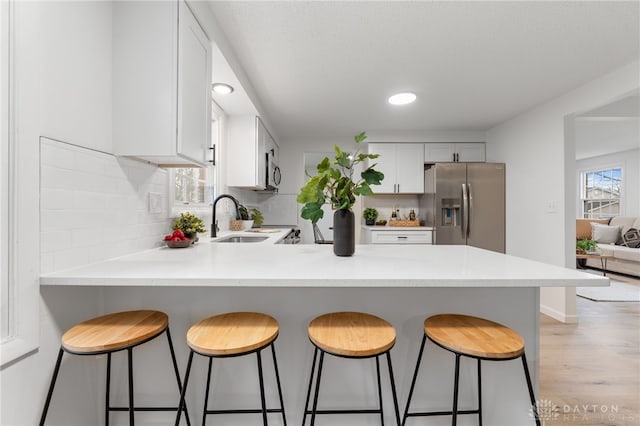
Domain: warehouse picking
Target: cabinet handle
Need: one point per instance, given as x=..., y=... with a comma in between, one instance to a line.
x=402, y=238
x=213, y=155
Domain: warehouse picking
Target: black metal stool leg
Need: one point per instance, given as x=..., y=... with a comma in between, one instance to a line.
x=275, y=367
x=51, y=386
x=479, y=394
x=532, y=397
x=379, y=391
x=177, y=371
x=313, y=370
x=413, y=381
x=454, y=417
x=184, y=388
x=315, y=397
x=261, y=380
x=107, y=397
x=393, y=389
x=206, y=393
x=131, y=406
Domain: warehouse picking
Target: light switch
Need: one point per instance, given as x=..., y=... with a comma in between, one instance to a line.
x=155, y=202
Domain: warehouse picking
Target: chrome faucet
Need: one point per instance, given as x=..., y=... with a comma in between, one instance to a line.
x=214, y=225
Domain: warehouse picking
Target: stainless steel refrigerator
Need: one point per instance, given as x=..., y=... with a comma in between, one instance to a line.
x=470, y=204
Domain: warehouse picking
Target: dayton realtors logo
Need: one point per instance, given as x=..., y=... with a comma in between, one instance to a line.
x=547, y=411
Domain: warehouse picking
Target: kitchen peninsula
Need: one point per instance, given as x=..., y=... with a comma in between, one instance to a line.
x=294, y=283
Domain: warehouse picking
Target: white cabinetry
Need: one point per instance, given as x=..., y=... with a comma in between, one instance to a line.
x=161, y=84
x=249, y=144
x=398, y=236
x=402, y=165
x=454, y=152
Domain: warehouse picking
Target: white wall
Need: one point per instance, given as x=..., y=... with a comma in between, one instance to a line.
x=630, y=163
x=541, y=177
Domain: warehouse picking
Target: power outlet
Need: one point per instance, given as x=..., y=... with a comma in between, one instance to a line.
x=155, y=202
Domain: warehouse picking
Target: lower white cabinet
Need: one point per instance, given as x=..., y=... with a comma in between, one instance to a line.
x=398, y=236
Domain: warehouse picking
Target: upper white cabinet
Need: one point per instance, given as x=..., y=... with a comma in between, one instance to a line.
x=249, y=146
x=402, y=165
x=454, y=152
x=161, y=84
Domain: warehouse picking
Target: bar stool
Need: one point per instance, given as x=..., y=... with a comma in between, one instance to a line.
x=352, y=335
x=230, y=335
x=112, y=333
x=476, y=338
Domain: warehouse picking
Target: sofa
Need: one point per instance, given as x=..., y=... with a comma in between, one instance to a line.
x=617, y=237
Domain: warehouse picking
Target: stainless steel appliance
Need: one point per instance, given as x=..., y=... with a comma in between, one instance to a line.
x=470, y=204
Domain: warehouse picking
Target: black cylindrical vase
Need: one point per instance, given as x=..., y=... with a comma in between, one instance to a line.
x=344, y=233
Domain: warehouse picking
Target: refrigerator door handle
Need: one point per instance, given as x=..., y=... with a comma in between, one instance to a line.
x=464, y=211
x=469, y=207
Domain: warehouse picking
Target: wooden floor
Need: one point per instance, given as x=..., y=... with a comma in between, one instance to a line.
x=590, y=371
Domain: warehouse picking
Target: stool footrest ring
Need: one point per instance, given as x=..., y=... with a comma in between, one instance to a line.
x=440, y=413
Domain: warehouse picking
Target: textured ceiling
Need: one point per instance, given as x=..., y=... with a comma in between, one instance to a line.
x=325, y=69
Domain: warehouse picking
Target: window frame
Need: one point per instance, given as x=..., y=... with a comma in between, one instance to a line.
x=582, y=176
x=20, y=185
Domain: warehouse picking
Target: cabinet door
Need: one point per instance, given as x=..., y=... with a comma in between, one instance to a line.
x=386, y=164
x=439, y=152
x=409, y=168
x=262, y=141
x=194, y=83
x=471, y=152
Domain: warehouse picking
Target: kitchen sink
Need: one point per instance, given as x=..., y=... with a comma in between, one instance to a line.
x=240, y=239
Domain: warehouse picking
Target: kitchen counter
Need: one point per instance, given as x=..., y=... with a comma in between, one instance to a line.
x=397, y=228
x=250, y=264
x=295, y=283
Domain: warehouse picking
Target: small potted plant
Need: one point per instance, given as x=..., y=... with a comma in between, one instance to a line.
x=585, y=246
x=250, y=217
x=190, y=225
x=370, y=215
x=256, y=216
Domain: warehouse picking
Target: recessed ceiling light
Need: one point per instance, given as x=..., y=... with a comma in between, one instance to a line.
x=402, y=98
x=222, y=88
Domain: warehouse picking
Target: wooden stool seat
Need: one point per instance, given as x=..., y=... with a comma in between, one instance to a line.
x=232, y=333
x=472, y=336
x=113, y=332
x=352, y=334
x=229, y=335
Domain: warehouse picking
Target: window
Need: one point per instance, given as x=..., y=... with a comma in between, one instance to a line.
x=193, y=186
x=601, y=193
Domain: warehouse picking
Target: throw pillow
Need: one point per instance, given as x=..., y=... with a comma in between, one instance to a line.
x=631, y=238
x=605, y=234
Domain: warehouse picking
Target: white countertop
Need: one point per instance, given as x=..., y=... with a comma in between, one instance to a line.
x=397, y=228
x=264, y=264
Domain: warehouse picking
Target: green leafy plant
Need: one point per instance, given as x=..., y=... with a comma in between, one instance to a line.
x=335, y=182
x=586, y=245
x=256, y=216
x=244, y=212
x=251, y=214
x=189, y=223
x=370, y=214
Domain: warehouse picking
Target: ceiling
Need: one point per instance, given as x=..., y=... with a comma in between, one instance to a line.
x=322, y=69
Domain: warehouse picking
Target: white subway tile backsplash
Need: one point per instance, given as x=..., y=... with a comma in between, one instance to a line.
x=94, y=206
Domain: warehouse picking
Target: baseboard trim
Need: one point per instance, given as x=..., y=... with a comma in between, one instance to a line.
x=557, y=315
